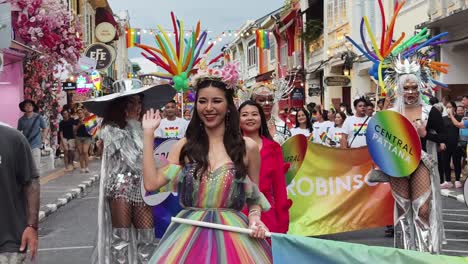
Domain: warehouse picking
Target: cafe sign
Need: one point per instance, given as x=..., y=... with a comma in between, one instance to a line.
x=103, y=54
x=337, y=81
x=105, y=32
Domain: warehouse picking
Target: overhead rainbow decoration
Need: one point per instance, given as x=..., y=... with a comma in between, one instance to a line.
x=382, y=54
x=262, y=39
x=133, y=36
x=396, y=149
x=179, y=61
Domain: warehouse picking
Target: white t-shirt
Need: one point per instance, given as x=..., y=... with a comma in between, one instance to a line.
x=298, y=130
x=351, y=126
x=334, y=135
x=171, y=129
x=321, y=130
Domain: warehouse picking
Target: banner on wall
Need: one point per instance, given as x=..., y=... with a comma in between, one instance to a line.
x=331, y=194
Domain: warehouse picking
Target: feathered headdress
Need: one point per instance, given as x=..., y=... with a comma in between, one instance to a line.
x=394, y=59
x=279, y=88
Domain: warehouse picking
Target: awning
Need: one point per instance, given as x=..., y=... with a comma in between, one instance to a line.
x=22, y=47
x=11, y=57
x=457, y=17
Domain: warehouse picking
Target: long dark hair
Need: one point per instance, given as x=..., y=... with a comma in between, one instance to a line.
x=263, y=131
x=197, y=146
x=115, y=112
x=342, y=115
x=308, y=123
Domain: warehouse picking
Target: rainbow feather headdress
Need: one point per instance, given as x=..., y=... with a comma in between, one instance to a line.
x=401, y=57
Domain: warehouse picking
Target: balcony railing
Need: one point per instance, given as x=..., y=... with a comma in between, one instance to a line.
x=315, y=51
x=442, y=8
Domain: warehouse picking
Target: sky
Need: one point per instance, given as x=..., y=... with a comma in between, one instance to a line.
x=215, y=15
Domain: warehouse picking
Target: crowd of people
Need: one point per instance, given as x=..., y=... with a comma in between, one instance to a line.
x=227, y=167
x=215, y=127
x=75, y=139
x=220, y=142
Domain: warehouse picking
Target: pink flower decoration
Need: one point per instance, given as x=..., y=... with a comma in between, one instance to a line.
x=230, y=74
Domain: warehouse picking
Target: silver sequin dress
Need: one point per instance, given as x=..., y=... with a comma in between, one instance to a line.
x=124, y=152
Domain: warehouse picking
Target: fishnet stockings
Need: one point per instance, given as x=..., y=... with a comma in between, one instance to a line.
x=412, y=188
x=124, y=215
x=142, y=217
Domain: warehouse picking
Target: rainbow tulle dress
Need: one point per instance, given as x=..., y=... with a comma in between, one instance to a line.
x=217, y=198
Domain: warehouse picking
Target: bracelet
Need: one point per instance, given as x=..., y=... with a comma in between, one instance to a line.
x=254, y=212
x=35, y=227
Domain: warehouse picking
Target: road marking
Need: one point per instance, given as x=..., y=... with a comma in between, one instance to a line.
x=54, y=175
x=457, y=239
x=456, y=230
x=65, y=248
x=456, y=215
x=89, y=198
x=456, y=222
x=455, y=210
x=455, y=251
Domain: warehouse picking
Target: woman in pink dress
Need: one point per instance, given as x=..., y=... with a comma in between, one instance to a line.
x=272, y=179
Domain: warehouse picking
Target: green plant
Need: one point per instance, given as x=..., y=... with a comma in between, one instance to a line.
x=288, y=4
x=136, y=68
x=312, y=31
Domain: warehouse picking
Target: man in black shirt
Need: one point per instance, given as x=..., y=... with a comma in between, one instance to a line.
x=67, y=139
x=19, y=197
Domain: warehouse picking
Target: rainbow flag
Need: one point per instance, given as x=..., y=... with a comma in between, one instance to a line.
x=91, y=125
x=263, y=39
x=133, y=36
x=323, y=136
x=298, y=249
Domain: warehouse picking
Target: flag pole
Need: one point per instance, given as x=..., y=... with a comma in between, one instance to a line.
x=215, y=226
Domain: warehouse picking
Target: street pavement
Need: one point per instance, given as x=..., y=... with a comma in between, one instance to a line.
x=455, y=217
x=61, y=186
x=67, y=235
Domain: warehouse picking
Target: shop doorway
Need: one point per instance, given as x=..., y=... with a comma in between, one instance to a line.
x=346, y=94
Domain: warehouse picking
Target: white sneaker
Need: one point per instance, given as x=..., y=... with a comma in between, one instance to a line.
x=458, y=184
x=446, y=185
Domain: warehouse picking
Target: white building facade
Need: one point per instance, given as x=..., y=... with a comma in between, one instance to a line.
x=451, y=16
x=332, y=55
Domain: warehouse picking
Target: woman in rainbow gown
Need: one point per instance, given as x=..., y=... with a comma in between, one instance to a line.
x=215, y=170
